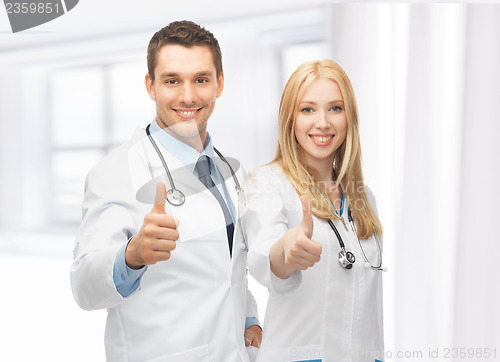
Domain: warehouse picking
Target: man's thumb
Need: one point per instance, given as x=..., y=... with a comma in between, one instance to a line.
x=307, y=221
x=160, y=199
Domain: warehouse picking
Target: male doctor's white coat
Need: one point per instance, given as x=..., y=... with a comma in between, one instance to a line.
x=190, y=308
x=325, y=313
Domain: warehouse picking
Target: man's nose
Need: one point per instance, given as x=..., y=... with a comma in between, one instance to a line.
x=187, y=94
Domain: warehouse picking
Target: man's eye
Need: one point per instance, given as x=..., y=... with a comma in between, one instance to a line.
x=201, y=80
x=171, y=81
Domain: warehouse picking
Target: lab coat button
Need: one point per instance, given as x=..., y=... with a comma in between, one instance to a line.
x=243, y=246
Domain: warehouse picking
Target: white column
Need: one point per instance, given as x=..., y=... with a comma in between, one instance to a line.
x=427, y=218
x=477, y=312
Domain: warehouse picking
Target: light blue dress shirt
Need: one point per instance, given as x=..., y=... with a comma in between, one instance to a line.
x=126, y=279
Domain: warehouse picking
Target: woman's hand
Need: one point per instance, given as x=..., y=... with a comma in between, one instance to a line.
x=295, y=250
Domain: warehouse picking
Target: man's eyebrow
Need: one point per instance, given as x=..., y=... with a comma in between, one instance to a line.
x=205, y=73
x=165, y=75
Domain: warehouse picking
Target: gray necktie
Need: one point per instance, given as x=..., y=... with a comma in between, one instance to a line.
x=203, y=169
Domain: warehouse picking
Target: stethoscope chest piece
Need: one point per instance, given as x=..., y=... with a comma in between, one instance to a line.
x=346, y=259
x=175, y=197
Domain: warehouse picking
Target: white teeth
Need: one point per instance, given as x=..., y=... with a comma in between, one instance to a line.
x=322, y=139
x=187, y=113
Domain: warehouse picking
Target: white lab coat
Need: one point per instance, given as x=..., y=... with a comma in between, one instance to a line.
x=326, y=312
x=190, y=308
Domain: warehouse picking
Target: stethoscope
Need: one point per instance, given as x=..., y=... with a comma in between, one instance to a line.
x=175, y=196
x=347, y=258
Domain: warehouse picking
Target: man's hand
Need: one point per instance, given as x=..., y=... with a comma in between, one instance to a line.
x=253, y=336
x=295, y=250
x=157, y=236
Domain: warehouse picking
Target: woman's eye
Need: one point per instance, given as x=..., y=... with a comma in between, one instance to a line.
x=306, y=110
x=336, y=108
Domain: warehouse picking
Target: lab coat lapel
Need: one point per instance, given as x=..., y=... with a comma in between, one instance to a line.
x=225, y=171
x=238, y=260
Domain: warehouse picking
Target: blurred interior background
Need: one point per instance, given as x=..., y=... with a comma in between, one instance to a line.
x=427, y=81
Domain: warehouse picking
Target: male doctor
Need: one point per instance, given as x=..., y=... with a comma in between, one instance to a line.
x=173, y=277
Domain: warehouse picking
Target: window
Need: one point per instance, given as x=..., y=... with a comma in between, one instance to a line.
x=93, y=109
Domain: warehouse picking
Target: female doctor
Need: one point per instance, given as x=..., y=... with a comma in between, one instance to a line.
x=313, y=232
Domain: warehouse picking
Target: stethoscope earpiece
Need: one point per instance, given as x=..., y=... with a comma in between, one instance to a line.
x=369, y=266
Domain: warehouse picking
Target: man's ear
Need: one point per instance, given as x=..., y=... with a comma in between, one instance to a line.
x=150, y=86
x=220, y=84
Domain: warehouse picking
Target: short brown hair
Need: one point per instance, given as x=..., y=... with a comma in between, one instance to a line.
x=185, y=33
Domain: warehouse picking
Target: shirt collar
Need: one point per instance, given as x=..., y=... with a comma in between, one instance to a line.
x=186, y=154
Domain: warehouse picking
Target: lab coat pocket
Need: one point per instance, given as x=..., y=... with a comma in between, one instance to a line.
x=192, y=355
x=295, y=354
x=252, y=353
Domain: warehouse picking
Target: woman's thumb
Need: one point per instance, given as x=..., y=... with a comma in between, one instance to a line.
x=307, y=221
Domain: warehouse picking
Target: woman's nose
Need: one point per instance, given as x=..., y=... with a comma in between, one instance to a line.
x=322, y=120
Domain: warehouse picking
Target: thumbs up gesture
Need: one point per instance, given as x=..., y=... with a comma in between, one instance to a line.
x=295, y=250
x=157, y=236
x=306, y=226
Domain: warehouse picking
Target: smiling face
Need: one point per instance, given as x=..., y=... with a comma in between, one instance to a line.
x=185, y=89
x=321, y=123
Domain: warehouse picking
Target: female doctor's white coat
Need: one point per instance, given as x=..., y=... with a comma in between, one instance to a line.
x=326, y=312
x=190, y=308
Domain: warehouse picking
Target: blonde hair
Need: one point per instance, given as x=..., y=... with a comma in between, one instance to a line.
x=347, y=163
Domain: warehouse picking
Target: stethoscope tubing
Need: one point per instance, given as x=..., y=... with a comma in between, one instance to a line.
x=165, y=166
x=354, y=230
x=175, y=196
